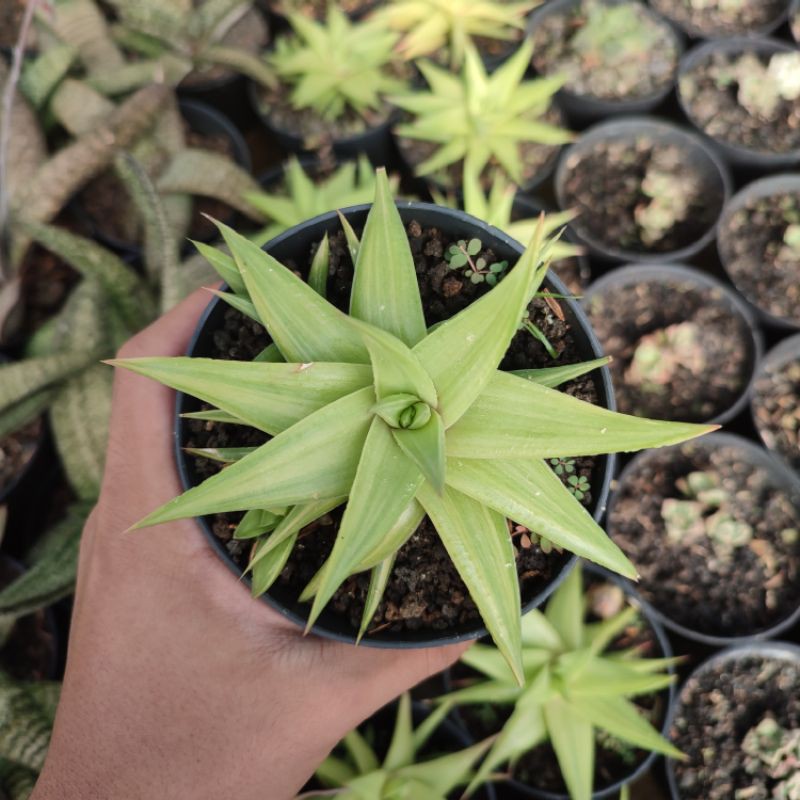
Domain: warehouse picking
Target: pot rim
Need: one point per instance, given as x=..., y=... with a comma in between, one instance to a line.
x=764, y=29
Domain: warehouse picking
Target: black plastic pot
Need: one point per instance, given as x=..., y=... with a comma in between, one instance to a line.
x=696, y=33
x=783, y=651
x=766, y=187
x=736, y=154
x=680, y=273
x=783, y=478
x=293, y=245
x=784, y=352
x=703, y=159
x=583, y=109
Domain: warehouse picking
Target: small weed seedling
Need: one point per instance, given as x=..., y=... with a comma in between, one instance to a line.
x=478, y=269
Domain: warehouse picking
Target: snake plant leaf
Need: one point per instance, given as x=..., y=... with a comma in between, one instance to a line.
x=401, y=748
x=532, y=495
x=20, y=414
x=320, y=267
x=213, y=415
x=425, y=447
x=21, y=379
x=353, y=242
x=223, y=455
x=565, y=610
x=385, y=483
x=314, y=459
x=360, y=752
x=224, y=265
x=519, y=415
x=240, y=61
x=78, y=107
x=598, y=636
x=257, y=522
x=622, y=719
x=463, y=354
x=443, y=774
x=602, y=678
x=537, y=631
x=303, y=325
x=269, y=355
x=334, y=771
x=270, y=397
x=378, y=581
x=41, y=75
x=385, y=291
x=15, y=781
x=270, y=566
x=477, y=541
x=25, y=729
x=553, y=377
x=81, y=24
x=572, y=738
x=241, y=304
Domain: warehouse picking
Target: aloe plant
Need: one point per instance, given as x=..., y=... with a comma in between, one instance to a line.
x=360, y=774
x=479, y=118
x=575, y=686
x=431, y=25
x=337, y=66
x=373, y=410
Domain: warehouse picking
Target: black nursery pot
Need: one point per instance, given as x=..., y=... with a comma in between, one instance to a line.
x=773, y=651
x=782, y=479
x=681, y=274
x=584, y=109
x=763, y=188
x=704, y=161
x=294, y=245
x=697, y=33
x=736, y=154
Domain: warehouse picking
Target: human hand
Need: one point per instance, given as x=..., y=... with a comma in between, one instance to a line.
x=178, y=683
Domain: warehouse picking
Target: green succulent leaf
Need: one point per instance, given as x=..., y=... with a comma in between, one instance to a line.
x=377, y=586
x=572, y=737
x=353, y=242
x=242, y=304
x=401, y=749
x=553, y=377
x=425, y=446
x=602, y=678
x=269, y=568
x=320, y=267
x=565, y=610
x=224, y=265
x=442, y=775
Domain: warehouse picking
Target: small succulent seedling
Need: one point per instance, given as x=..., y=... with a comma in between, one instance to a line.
x=660, y=354
x=373, y=411
x=774, y=752
x=360, y=774
x=431, y=25
x=464, y=255
x=335, y=66
x=575, y=686
x=480, y=118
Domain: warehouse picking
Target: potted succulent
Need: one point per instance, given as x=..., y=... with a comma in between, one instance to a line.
x=714, y=529
x=644, y=190
x=430, y=760
x=615, y=56
x=744, y=94
x=316, y=9
x=482, y=122
x=775, y=401
x=737, y=719
x=684, y=345
x=402, y=445
x=759, y=245
x=334, y=77
x=716, y=19
x=442, y=29
x=586, y=720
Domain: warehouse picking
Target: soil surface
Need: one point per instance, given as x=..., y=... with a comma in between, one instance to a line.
x=640, y=61
x=11, y=14
x=16, y=451
x=776, y=408
x=757, y=257
x=424, y=591
x=46, y=283
x=719, y=708
x=697, y=578
x=680, y=351
x=720, y=17
x=721, y=103
x=639, y=195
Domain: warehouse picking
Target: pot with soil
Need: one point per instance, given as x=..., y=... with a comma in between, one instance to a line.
x=737, y=719
x=718, y=19
x=108, y=210
x=759, y=245
x=644, y=190
x=420, y=607
x=617, y=56
x=744, y=95
x=775, y=401
x=684, y=345
x=713, y=527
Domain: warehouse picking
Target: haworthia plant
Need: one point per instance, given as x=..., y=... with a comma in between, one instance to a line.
x=372, y=408
x=576, y=685
x=357, y=772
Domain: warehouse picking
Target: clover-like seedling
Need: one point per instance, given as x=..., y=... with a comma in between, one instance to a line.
x=373, y=412
x=576, y=686
x=337, y=65
x=428, y=26
x=480, y=118
x=477, y=268
x=563, y=466
x=774, y=751
x=579, y=486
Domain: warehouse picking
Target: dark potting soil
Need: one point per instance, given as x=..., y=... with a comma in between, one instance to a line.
x=16, y=451
x=679, y=351
x=776, y=408
x=639, y=195
x=614, y=759
x=425, y=591
x=764, y=267
x=46, y=281
x=720, y=706
x=718, y=17
x=11, y=14
x=641, y=61
x=738, y=110
x=698, y=579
